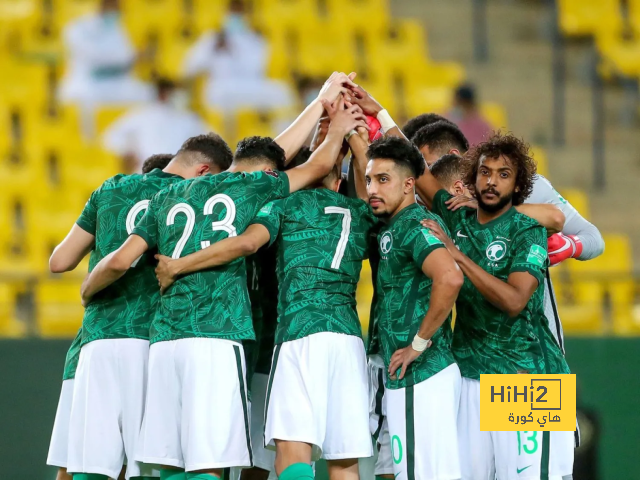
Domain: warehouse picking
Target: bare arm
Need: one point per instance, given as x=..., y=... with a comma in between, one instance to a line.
x=359, y=149
x=113, y=267
x=70, y=252
x=220, y=253
x=447, y=282
x=324, y=158
x=547, y=215
x=292, y=139
x=427, y=186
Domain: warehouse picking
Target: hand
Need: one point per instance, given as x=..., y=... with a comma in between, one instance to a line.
x=360, y=97
x=321, y=133
x=402, y=358
x=437, y=231
x=459, y=201
x=336, y=84
x=562, y=247
x=344, y=119
x=165, y=273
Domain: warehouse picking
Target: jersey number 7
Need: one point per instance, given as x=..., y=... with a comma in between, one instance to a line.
x=344, y=234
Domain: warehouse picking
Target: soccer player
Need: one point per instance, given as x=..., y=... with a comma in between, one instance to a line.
x=417, y=283
x=109, y=385
x=196, y=417
x=416, y=123
x=159, y=160
x=447, y=170
x=438, y=139
x=500, y=324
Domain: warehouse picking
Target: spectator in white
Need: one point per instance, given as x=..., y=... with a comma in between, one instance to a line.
x=235, y=61
x=161, y=126
x=467, y=116
x=100, y=61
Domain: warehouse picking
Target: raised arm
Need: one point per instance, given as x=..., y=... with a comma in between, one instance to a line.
x=70, y=252
x=292, y=139
x=113, y=267
x=323, y=159
x=220, y=253
x=359, y=147
x=547, y=215
x=447, y=278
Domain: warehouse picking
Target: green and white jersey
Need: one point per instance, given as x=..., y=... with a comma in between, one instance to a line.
x=486, y=339
x=125, y=308
x=73, y=355
x=190, y=216
x=404, y=291
x=373, y=337
x=322, y=239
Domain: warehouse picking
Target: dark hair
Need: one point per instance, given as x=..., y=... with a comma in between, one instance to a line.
x=447, y=169
x=516, y=150
x=441, y=137
x=344, y=185
x=466, y=93
x=211, y=146
x=260, y=150
x=301, y=157
x=163, y=84
x=401, y=151
x=159, y=160
x=416, y=123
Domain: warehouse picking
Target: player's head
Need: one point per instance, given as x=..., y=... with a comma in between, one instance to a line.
x=201, y=155
x=258, y=153
x=499, y=172
x=165, y=87
x=109, y=6
x=334, y=179
x=448, y=170
x=416, y=123
x=301, y=157
x=159, y=160
x=394, y=164
x=438, y=139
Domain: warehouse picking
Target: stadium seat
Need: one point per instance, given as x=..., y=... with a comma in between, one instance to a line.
x=621, y=55
x=540, y=156
x=286, y=15
x=580, y=305
x=578, y=200
x=215, y=119
x=106, y=115
x=10, y=325
x=320, y=59
x=586, y=17
x=59, y=309
x=433, y=99
x=615, y=264
x=369, y=18
x=364, y=293
x=250, y=122
x=495, y=114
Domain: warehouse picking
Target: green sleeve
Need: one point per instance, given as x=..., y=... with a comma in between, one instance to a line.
x=272, y=185
x=147, y=227
x=530, y=255
x=439, y=207
x=89, y=216
x=420, y=242
x=270, y=216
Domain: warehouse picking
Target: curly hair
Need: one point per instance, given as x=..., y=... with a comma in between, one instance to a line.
x=260, y=149
x=401, y=151
x=516, y=150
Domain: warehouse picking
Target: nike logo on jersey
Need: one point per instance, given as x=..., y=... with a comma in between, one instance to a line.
x=522, y=469
x=461, y=236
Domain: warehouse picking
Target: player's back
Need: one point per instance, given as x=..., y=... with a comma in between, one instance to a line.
x=323, y=239
x=190, y=216
x=125, y=308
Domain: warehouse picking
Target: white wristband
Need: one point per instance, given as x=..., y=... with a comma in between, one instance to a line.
x=386, y=122
x=419, y=344
x=350, y=134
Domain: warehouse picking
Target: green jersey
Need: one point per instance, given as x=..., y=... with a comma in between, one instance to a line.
x=322, y=241
x=73, y=355
x=189, y=216
x=125, y=308
x=373, y=338
x=404, y=291
x=486, y=339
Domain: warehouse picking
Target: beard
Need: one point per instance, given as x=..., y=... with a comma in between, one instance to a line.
x=503, y=201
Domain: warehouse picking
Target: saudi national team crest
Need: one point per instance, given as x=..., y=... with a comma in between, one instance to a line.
x=496, y=250
x=386, y=243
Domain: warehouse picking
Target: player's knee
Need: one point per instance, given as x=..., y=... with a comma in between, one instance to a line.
x=297, y=471
x=345, y=469
x=290, y=453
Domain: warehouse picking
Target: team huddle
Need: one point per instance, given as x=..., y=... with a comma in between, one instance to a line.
x=221, y=330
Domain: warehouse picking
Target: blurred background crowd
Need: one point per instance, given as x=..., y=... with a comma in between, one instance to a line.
x=91, y=88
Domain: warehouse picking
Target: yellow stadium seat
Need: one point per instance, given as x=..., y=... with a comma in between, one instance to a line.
x=364, y=294
x=367, y=17
x=286, y=15
x=24, y=84
x=539, y=154
x=10, y=325
x=106, y=115
x=215, y=119
x=585, y=17
x=622, y=294
x=495, y=114
x=634, y=14
x=615, y=264
x=428, y=99
x=207, y=15
x=59, y=129
x=402, y=53
x=59, y=311
x=320, y=58
x=620, y=55
x=578, y=200
x=580, y=305
x=249, y=123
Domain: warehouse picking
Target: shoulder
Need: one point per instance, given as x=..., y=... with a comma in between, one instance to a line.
x=523, y=224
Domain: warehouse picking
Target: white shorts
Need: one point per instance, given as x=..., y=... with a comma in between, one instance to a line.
x=197, y=414
x=378, y=424
x=508, y=455
x=318, y=394
x=422, y=425
x=107, y=409
x=58, y=448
